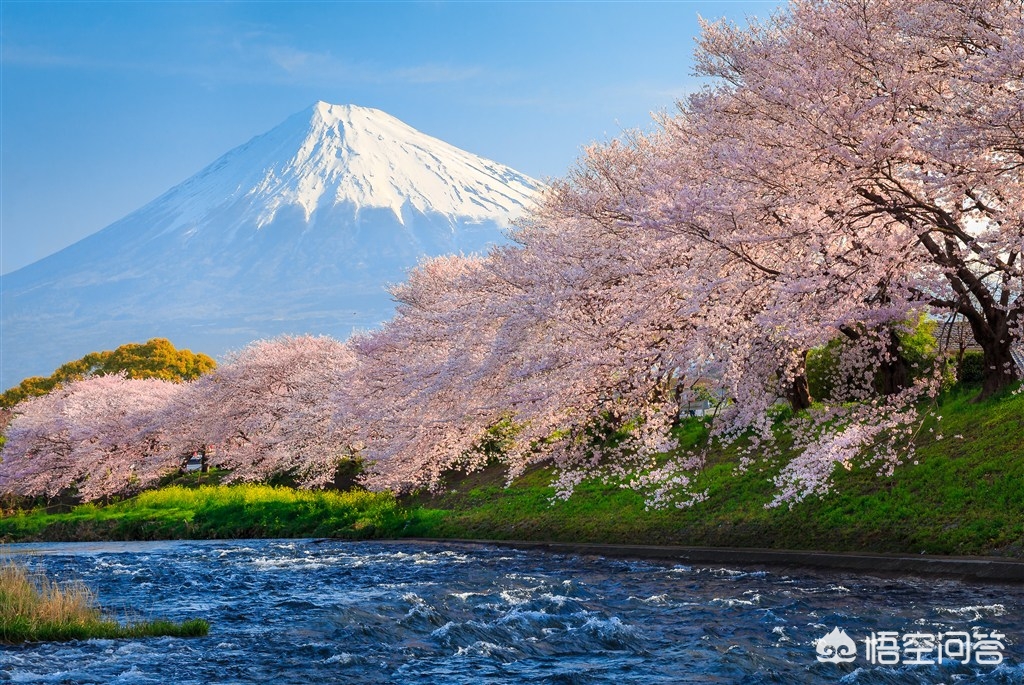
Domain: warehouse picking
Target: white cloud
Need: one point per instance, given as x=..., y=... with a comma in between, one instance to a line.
x=254, y=57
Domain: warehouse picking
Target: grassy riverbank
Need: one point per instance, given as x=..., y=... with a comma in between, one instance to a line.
x=218, y=511
x=964, y=496
x=34, y=608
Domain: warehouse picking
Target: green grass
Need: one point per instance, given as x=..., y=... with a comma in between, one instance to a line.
x=219, y=511
x=36, y=609
x=965, y=496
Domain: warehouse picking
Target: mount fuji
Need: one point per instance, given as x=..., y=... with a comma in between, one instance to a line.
x=297, y=231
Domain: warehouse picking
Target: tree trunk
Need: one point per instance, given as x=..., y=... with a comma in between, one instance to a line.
x=894, y=371
x=798, y=392
x=1000, y=369
x=998, y=366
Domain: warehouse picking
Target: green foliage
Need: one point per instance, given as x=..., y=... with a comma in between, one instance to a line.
x=157, y=358
x=971, y=369
x=18, y=629
x=218, y=512
x=497, y=439
x=34, y=608
x=917, y=346
x=822, y=368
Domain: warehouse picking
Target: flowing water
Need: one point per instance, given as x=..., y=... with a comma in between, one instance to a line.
x=309, y=611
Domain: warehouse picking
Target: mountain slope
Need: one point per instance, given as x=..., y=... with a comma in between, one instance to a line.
x=296, y=231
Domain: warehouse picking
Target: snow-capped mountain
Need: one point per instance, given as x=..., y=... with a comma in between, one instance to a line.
x=297, y=231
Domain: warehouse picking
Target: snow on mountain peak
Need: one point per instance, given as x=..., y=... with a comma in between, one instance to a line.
x=369, y=159
x=345, y=155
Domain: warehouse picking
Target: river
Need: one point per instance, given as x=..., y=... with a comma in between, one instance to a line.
x=314, y=611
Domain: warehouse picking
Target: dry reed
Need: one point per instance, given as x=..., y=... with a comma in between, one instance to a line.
x=33, y=608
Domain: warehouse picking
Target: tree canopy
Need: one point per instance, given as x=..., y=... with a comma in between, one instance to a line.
x=157, y=358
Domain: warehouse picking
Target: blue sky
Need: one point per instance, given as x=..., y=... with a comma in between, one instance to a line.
x=105, y=105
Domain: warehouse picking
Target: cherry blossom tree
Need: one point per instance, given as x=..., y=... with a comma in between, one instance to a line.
x=92, y=438
x=896, y=127
x=266, y=411
x=412, y=398
x=544, y=335
x=858, y=163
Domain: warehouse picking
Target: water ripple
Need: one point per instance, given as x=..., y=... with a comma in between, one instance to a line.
x=301, y=611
